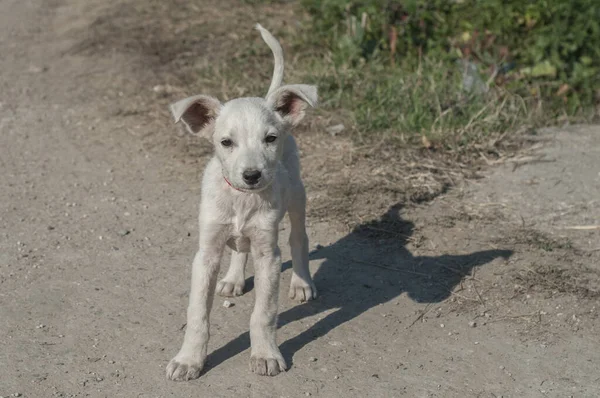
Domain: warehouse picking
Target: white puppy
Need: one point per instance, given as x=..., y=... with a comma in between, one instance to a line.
x=248, y=185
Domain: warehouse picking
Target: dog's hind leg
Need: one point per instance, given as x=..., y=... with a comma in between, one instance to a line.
x=302, y=287
x=233, y=282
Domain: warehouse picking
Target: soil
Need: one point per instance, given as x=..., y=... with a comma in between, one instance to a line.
x=487, y=289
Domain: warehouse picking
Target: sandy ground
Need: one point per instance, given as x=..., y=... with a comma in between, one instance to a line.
x=486, y=291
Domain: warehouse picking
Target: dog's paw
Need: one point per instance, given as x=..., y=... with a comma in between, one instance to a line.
x=267, y=366
x=182, y=368
x=230, y=289
x=301, y=290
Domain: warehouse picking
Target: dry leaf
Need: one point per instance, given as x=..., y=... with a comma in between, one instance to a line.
x=426, y=143
x=562, y=90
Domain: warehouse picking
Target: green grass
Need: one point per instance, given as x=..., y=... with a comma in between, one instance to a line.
x=415, y=93
x=427, y=105
x=402, y=106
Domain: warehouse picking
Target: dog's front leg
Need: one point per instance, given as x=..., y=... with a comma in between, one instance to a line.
x=188, y=363
x=265, y=359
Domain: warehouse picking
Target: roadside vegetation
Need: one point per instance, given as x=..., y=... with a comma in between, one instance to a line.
x=454, y=75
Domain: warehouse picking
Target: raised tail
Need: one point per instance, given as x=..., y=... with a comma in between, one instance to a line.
x=277, y=55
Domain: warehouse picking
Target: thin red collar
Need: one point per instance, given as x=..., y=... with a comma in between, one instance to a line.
x=228, y=183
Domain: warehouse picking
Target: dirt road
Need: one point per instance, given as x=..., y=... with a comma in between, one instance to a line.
x=486, y=291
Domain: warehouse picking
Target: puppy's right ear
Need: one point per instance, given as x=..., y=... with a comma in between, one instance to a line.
x=197, y=113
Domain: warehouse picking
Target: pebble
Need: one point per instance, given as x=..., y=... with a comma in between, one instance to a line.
x=335, y=130
x=35, y=69
x=472, y=324
x=312, y=359
x=442, y=325
x=164, y=88
x=227, y=304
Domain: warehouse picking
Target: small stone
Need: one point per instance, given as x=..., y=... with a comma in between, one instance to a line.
x=336, y=377
x=227, y=304
x=477, y=342
x=307, y=394
x=36, y=69
x=111, y=362
x=124, y=232
x=472, y=324
x=335, y=130
x=442, y=325
x=502, y=367
x=164, y=89
x=312, y=359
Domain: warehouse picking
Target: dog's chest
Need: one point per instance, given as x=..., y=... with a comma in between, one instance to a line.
x=242, y=221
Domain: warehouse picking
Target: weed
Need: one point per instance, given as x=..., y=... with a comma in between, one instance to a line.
x=457, y=76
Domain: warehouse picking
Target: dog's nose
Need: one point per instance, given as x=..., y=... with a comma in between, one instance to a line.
x=251, y=176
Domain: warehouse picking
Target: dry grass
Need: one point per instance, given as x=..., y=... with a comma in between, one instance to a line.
x=537, y=240
x=579, y=281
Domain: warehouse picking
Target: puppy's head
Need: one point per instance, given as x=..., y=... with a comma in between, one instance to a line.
x=248, y=133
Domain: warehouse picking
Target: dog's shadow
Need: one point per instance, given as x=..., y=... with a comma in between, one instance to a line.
x=350, y=283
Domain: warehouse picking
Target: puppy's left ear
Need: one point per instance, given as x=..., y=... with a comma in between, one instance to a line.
x=290, y=101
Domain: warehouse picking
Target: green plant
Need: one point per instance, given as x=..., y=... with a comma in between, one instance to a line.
x=394, y=63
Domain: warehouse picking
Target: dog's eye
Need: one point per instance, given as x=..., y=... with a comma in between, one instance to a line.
x=270, y=138
x=226, y=142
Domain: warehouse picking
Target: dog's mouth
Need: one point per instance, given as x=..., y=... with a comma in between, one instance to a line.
x=261, y=186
